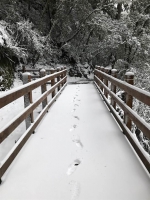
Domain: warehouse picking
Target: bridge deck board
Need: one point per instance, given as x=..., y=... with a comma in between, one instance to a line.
x=77, y=152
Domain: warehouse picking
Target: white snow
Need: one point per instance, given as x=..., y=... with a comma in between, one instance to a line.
x=77, y=153
x=129, y=73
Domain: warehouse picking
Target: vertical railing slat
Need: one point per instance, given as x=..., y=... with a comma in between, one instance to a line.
x=43, y=87
x=113, y=87
x=129, y=78
x=28, y=99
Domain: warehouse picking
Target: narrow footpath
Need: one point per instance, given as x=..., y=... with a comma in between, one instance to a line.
x=78, y=152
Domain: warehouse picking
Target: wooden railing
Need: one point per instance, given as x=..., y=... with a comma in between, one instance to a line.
x=58, y=81
x=36, y=72
x=107, y=86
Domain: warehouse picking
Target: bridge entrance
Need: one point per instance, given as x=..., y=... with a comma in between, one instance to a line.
x=77, y=152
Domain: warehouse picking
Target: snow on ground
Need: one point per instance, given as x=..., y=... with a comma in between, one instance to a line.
x=77, y=153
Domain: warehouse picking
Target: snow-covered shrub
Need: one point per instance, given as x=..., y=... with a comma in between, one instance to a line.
x=30, y=39
x=144, y=141
x=122, y=67
x=10, y=54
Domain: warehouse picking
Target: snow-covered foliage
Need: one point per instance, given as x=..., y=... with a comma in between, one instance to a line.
x=7, y=40
x=26, y=36
x=9, y=56
x=19, y=43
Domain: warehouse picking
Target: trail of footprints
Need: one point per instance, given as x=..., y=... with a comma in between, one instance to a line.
x=75, y=186
x=72, y=167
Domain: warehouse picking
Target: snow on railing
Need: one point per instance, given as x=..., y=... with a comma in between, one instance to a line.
x=35, y=72
x=58, y=80
x=107, y=86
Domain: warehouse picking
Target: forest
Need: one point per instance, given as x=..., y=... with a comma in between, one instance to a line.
x=76, y=33
x=113, y=33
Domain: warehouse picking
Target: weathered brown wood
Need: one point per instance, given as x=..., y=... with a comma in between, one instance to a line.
x=143, y=126
x=5, y=131
x=95, y=73
x=58, y=78
x=53, y=81
x=65, y=75
x=127, y=132
x=23, y=68
x=43, y=87
x=138, y=93
x=14, y=94
x=98, y=74
x=113, y=87
x=106, y=83
x=101, y=78
x=62, y=75
x=31, y=70
x=129, y=78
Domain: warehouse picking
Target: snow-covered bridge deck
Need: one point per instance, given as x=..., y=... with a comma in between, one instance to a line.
x=77, y=152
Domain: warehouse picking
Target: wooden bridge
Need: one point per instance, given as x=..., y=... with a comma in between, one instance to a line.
x=81, y=149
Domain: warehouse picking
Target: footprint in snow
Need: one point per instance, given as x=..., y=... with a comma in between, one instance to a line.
x=77, y=117
x=73, y=167
x=73, y=110
x=73, y=127
x=78, y=143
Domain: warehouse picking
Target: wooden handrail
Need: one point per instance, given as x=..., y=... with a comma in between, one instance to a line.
x=99, y=79
x=31, y=70
x=10, y=96
x=145, y=128
x=138, y=93
x=14, y=94
x=8, y=128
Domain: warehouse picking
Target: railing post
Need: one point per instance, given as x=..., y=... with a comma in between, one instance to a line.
x=106, y=83
x=52, y=71
x=62, y=75
x=113, y=87
x=28, y=99
x=23, y=69
x=95, y=74
x=129, y=78
x=58, y=78
x=43, y=87
x=65, y=74
x=101, y=77
x=98, y=75
x=39, y=72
